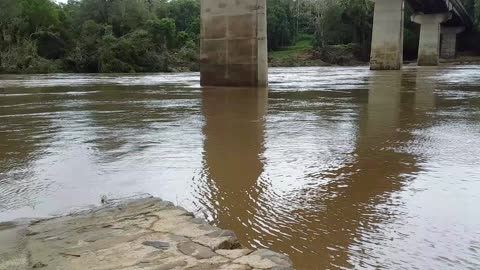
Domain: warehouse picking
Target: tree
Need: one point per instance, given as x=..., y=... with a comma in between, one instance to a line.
x=281, y=23
x=327, y=16
x=39, y=14
x=9, y=11
x=184, y=13
x=477, y=13
x=162, y=32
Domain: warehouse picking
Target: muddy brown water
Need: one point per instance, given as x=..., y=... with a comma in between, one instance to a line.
x=339, y=168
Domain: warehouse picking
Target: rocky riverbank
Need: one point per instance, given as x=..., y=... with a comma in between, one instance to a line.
x=148, y=234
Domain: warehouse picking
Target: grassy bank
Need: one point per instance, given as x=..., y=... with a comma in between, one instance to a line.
x=299, y=54
x=302, y=53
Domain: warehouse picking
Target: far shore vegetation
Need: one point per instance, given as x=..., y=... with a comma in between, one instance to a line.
x=127, y=36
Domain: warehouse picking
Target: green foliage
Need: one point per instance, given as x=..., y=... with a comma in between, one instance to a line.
x=22, y=57
x=470, y=7
x=131, y=53
x=302, y=45
x=328, y=21
x=49, y=44
x=163, y=32
x=411, y=37
x=98, y=35
x=163, y=35
x=281, y=31
x=39, y=14
x=329, y=27
x=186, y=14
x=9, y=9
x=476, y=13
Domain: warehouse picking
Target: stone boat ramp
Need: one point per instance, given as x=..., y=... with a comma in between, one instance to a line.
x=148, y=234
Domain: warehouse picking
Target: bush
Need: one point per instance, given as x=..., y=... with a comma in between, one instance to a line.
x=23, y=58
x=341, y=54
x=50, y=45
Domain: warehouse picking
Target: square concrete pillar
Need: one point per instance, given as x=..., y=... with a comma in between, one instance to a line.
x=233, y=49
x=448, y=46
x=387, y=35
x=429, y=47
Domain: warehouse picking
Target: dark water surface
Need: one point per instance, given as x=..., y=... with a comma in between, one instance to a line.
x=339, y=168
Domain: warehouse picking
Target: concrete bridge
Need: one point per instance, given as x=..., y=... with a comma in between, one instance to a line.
x=234, y=37
x=440, y=20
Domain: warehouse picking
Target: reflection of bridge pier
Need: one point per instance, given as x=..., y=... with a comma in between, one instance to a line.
x=398, y=104
x=424, y=94
x=233, y=149
x=353, y=200
x=349, y=204
x=346, y=205
x=383, y=104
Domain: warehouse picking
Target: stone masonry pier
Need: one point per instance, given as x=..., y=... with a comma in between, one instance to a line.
x=148, y=234
x=233, y=43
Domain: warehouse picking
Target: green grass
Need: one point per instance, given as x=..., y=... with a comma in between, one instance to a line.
x=303, y=44
x=299, y=54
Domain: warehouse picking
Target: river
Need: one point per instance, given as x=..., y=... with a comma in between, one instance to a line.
x=337, y=167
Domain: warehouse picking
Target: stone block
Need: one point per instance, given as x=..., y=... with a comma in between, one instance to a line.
x=195, y=250
x=234, y=253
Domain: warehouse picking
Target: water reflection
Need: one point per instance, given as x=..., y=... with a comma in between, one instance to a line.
x=335, y=219
x=337, y=167
x=355, y=201
x=233, y=155
x=26, y=124
x=424, y=93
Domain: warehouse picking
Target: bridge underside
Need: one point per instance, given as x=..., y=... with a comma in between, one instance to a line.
x=460, y=16
x=428, y=6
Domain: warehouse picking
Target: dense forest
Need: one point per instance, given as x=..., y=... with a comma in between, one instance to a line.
x=42, y=36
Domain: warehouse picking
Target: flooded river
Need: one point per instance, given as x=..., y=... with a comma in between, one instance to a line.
x=339, y=168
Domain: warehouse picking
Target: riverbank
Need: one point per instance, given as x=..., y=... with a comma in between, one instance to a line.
x=303, y=53
x=462, y=59
x=144, y=233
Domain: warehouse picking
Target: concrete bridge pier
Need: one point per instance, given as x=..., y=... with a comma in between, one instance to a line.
x=387, y=35
x=449, y=41
x=233, y=43
x=429, y=48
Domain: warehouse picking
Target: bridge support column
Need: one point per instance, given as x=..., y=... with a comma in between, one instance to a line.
x=449, y=41
x=429, y=48
x=387, y=35
x=233, y=49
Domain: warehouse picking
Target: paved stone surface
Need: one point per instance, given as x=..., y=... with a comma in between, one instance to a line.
x=148, y=234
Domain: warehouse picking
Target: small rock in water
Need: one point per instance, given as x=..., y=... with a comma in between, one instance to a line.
x=103, y=199
x=157, y=244
x=39, y=265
